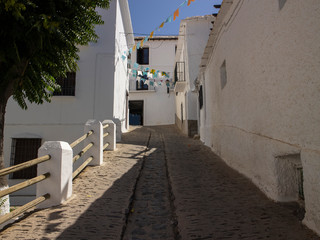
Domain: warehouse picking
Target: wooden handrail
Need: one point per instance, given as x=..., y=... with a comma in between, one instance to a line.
x=85, y=149
x=79, y=140
x=105, y=146
x=106, y=134
x=24, y=184
x=83, y=165
x=105, y=126
x=24, y=165
x=24, y=208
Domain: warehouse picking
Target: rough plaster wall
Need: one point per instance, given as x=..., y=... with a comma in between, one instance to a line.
x=181, y=99
x=311, y=169
x=269, y=104
x=161, y=57
x=158, y=106
x=197, y=33
x=121, y=82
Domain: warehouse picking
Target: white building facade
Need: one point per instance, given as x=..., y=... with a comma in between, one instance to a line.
x=98, y=90
x=151, y=97
x=260, y=74
x=193, y=36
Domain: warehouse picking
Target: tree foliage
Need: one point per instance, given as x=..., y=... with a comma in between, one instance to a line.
x=39, y=40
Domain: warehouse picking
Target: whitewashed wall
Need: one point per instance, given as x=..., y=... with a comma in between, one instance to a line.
x=101, y=85
x=159, y=107
x=193, y=37
x=269, y=108
x=121, y=78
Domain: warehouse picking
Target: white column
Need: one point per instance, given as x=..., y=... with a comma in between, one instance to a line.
x=111, y=138
x=59, y=184
x=118, y=129
x=96, y=151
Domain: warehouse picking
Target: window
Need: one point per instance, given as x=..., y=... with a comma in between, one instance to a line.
x=22, y=150
x=143, y=56
x=179, y=72
x=68, y=85
x=200, y=97
x=140, y=85
x=282, y=3
x=181, y=112
x=223, y=74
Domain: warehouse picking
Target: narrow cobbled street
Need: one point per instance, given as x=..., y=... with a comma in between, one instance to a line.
x=160, y=184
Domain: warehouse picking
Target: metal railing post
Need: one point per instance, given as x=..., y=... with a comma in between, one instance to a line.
x=96, y=151
x=110, y=138
x=59, y=184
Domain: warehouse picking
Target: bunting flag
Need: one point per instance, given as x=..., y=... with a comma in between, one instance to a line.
x=168, y=20
x=135, y=65
x=189, y=2
x=176, y=14
x=140, y=71
x=161, y=26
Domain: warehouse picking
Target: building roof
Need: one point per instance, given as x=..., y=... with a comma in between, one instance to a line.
x=158, y=38
x=214, y=34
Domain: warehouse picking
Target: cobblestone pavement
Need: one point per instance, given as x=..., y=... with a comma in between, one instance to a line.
x=160, y=184
x=151, y=213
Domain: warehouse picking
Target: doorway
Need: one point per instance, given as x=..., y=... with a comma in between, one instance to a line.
x=136, y=112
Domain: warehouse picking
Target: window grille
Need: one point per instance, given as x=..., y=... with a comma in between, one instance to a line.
x=200, y=97
x=68, y=85
x=179, y=72
x=300, y=182
x=140, y=85
x=22, y=150
x=143, y=56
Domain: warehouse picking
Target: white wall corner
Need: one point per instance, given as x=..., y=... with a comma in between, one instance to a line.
x=311, y=185
x=59, y=184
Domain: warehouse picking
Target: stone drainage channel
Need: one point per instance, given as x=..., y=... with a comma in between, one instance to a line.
x=151, y=212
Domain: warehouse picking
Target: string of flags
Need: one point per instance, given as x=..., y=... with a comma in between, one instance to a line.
x=149, y=76
x=169, y=19
x=148, y=71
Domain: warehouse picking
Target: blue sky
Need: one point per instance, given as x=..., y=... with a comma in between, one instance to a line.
x=147, y=15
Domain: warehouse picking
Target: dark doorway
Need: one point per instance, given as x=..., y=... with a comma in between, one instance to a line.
x=136, y=112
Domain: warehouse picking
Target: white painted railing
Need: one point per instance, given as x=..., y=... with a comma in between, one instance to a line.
x=55, y=166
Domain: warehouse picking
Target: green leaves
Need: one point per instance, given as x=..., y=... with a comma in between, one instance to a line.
x=39, y=42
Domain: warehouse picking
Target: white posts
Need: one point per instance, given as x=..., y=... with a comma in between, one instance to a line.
x=97, y=139
x=111, y=136
x=59, y=184
x=60, y=165
x=118, y=129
